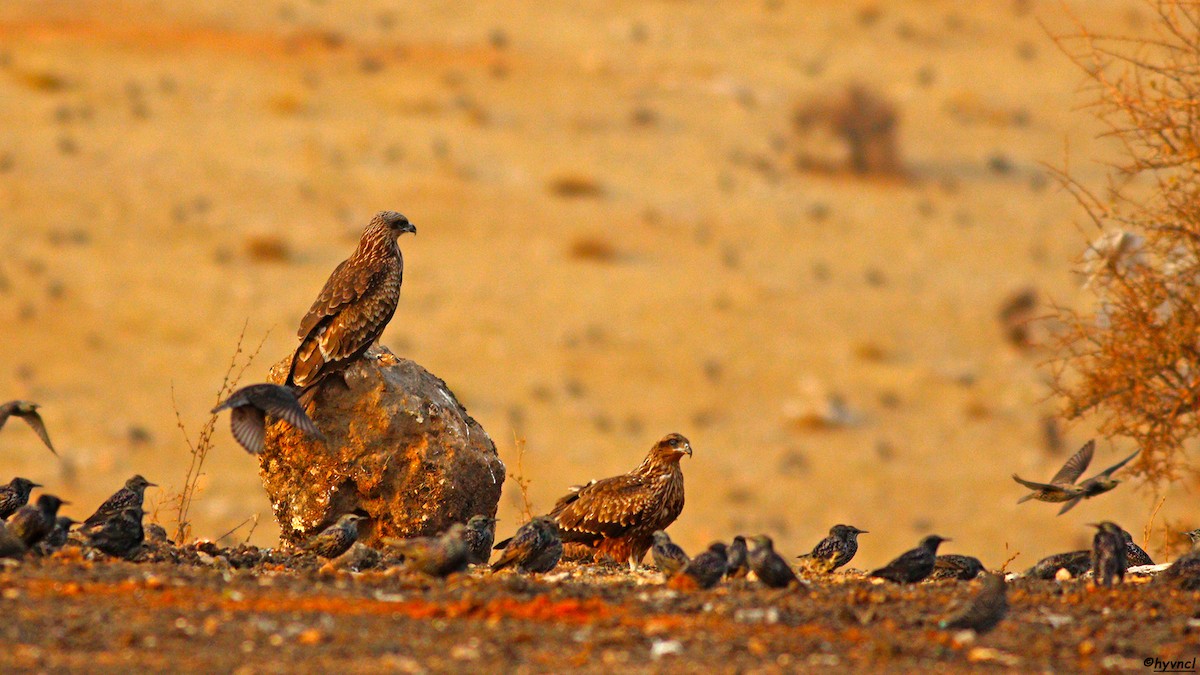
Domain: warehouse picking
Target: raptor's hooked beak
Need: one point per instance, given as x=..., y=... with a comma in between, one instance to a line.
x=408, y=227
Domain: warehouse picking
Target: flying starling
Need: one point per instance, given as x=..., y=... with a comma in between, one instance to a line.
x=131, y=495
x=668, y=557
x=479, y=537
x=736, y=556
x=1098, y=484
x=249, y=407
x=438, y=556
x=15, y=495
x=1075, y=562
x=914, y=565
x=27, y=410
x=1061, y=487
x=58, y=536
x=355, y=305
x=1108, y=554
x=536, y=547
x=835, y=550
x=985, y=610
x=120, y=535
x=11, y=546
x=1135, y=556
x=770, y=567
x=31, y=523
x=961, y=567
x=704, y=571
x=335, y=539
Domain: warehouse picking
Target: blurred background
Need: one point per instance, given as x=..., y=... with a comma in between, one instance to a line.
x=806, y=235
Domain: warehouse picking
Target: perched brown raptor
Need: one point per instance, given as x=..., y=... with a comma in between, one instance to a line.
x=618, y=516
x=355, y=305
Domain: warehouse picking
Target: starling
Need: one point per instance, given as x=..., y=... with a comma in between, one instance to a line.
x=479, y=536
x=249, y=407
x=58, y=536
x=438, y=556
x=15, y=495
x=961, y=567
x=669, y=558
x=1194, y=536
x=120, y=535
x=617, y=516
x=27, y=411
x=1098, y=484
x=835, y=550
x=31, y=523
x=131, y=495
x=1062, y=486
x=355, y=305
x=704, y=571
x=335, y=539
x=1185, y=571
x=1135, y=556
x=736, y=558
x=11, y=546
x=985, y=610
x=1075, y=562
x=914, y=565
x=1108, y=554
x=536, y=547
x=770, y=567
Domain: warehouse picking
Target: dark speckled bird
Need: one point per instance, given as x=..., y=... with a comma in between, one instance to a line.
x=1075, y=562
x=983, y=611
x=768, y=566
x=536, y=547
x=479, y=537
x=1108, y=554
x=58, y=536
x=961, y=567
x=249, y=407
x=120, y=535
x=1135, y=556
x=1194, y=536
x=11, y=546
x=131, y=495
x=704, y=571
x=438, y=556
x=1061, y=487
x=15, y=495
x=668, y=557
x=32, y=523
x=355, y=305
x=617, y=516
x=1185, y=571
x=27, y=410
x=914, y=565
x=335, y=539
x=736, y=557
x=1098, y=484
x=833, y=551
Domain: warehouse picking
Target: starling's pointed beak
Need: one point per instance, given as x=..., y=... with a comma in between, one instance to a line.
x=36, y=485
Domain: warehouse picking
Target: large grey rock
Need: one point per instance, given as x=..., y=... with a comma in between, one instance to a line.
x=398, y=445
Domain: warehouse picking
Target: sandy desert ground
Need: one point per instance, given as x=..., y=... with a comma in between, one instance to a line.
x=613, y=244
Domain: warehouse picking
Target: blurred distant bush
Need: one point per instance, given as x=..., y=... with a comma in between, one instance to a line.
x=1131, y=360
x=861, y=118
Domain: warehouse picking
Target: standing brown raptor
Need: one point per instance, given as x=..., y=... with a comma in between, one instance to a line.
x=355, y=305
x=618, y=516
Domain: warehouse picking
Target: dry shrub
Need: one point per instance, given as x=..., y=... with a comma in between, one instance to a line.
x=863, y=119
x=1130, y=360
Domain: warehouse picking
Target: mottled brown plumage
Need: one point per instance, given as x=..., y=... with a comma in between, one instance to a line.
x=618, y=516
x=1109, y=559
x=249, y=407
x=1062, y=486
x=479, y=537
x=335, y=539
x=536, y=547
x=27, y=410
x=120, y=535
x=668, y=557
x=33, y=522
x=437, y=556
x=704, y=571
x=15, y=495
x=132, y=494
x=985, y=610
x=355, y=305
x=768, y=566
x=833, y=551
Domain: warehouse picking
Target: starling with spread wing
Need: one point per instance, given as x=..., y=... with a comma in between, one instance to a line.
x=27, y=410
x=1062, y=486
x=1098, y=484
x=355, y=305
x=249, y=407
x=618, y=516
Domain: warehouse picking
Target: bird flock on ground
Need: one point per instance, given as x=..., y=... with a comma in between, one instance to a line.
x=618, y=519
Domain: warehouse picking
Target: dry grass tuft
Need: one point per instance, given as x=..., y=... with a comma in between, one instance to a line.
x=1131, y=360
x=519, y=478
